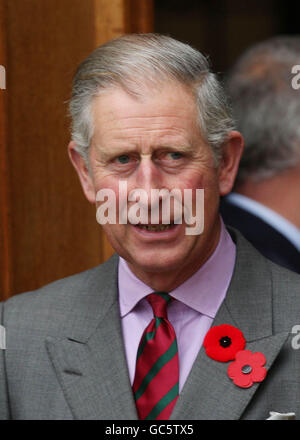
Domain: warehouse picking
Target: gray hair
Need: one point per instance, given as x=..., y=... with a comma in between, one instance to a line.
x=134, y=60
x=266, y=107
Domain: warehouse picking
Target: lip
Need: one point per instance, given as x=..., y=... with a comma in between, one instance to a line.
x=169, y=234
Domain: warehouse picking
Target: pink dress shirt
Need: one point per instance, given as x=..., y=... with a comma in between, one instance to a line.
x=199, y=299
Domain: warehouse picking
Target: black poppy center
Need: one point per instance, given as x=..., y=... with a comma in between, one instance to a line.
x=246, y=369
x=225, y=341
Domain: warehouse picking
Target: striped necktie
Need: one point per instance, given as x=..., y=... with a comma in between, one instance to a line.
x=155, y=385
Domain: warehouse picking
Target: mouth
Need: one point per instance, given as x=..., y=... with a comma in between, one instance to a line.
x=159, y=233
x=155, y=228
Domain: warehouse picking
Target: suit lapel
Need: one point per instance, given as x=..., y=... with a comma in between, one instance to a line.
x=208, y=392
x=90, y=363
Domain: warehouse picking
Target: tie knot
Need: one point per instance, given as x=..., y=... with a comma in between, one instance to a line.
x=159, y=302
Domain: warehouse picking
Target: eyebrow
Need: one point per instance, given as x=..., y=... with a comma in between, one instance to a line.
x=106, y=153
x=185, y=148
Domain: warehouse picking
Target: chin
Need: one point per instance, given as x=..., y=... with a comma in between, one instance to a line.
x=158, y=262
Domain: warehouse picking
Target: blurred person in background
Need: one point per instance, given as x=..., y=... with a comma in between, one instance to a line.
x=264, y=204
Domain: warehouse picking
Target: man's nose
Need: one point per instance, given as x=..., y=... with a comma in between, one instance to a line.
x=148, y=175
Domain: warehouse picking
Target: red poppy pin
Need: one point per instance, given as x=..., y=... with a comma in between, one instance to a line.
x=222, y=342
x=247, y=368
x=225, y=343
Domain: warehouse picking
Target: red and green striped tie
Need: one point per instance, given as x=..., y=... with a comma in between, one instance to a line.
x=155, y=385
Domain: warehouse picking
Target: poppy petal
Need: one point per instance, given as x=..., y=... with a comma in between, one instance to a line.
x=233, y=370
x=258, y=374
x=258, y=359
x=243, y=356
x=243, y=380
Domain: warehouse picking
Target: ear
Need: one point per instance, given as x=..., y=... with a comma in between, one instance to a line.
x=83, y=173
x=232, y=152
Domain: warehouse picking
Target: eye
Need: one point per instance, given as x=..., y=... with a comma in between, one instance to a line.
x=123, y=159
x=171, y=158
x=175, y=155
x=124, y=163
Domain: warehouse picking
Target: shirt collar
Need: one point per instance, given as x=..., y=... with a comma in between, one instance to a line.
x=203, y=291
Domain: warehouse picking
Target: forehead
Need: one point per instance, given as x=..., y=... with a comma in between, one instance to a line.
x=169, y=110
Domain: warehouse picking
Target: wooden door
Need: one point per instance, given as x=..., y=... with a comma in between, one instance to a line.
x=48, y=230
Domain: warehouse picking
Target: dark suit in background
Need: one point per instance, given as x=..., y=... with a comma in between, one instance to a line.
x=267, y=240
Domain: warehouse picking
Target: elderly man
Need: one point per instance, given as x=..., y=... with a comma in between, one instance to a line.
x=264, y=205
x=176, y=325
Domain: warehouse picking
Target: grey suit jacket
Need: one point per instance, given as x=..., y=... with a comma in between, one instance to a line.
x=65, y=357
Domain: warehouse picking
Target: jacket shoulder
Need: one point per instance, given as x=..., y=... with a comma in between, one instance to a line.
x=256, y=270
x=49, y=305
x=286, y=295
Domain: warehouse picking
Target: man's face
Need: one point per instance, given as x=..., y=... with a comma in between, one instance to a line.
x=154, y=143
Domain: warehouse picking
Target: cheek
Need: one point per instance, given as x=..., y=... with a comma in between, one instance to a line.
x=208, y=182
x=193, y=179
x=110, y=183
x=107, y=196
